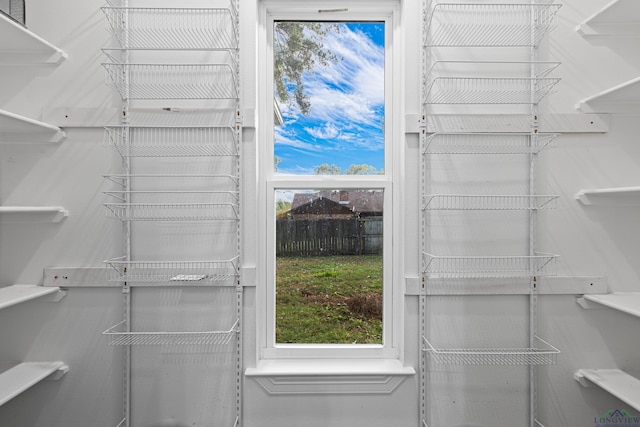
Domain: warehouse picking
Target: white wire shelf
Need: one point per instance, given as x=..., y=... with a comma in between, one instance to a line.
x=172, y=180
x=487, y=143
x=424, y=423
x=173, y=273
x=173, y=28
x=542, y=354
x=489, y=90
x=488, y=202
x=484, y=82
x=173, y=81
x=177, y=197
x=172, y=211
x=172, y=141
x=487, y=25
x=470, y=267
x=123, y=422
x=119, y=337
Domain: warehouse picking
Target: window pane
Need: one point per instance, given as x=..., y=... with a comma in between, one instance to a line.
x=329, y=97
x=329, y=266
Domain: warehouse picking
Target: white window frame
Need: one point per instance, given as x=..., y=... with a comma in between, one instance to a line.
x=268, y=182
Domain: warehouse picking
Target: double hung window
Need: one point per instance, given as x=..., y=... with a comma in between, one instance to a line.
x=327, y=183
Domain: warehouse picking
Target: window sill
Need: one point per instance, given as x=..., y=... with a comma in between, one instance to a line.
x=324, y=376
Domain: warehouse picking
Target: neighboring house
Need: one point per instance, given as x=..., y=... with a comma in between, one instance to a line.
x=337, y=222
x=337, y=204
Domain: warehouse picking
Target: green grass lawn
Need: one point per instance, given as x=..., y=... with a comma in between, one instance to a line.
x=329, y=299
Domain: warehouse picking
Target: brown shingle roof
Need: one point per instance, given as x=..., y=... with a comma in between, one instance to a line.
x=359, y=201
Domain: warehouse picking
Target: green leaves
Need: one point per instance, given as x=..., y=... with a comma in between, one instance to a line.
x=299, y=48
x=353, y=169
x=326, y=169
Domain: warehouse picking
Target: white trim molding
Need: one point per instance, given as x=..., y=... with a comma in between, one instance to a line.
x=321, y=376
x=316, y=359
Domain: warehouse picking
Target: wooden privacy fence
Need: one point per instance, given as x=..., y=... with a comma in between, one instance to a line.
x=328, y=236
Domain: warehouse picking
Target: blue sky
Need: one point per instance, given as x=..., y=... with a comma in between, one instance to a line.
x=347, y=107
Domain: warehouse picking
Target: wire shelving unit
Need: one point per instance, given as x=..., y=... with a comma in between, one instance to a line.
x=467, y=24
x=208, y=338
x=481, y=82
x=172, y=211
x=167, y=181
x=474, y=267
x=172, y=141
x=150, y=81
x=14, y=9
x=177, y=73
x=473, y=67
x=542, y=354
x=180, y=198
x=174, y=273
x=173, y=28
x=487, y=202
x=537, y=424
x=486, y=143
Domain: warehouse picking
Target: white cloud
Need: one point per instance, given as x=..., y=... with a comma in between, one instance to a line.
x=351, y=90
x=328, y=131
x=333, y=105
x=347, y=100
x=362, y=67
x=292, y=140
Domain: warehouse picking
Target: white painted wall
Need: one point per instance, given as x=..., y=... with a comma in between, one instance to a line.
x=592, y=241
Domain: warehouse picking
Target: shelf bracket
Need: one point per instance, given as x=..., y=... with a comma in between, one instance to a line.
x=248, y=276
x=588, y=305
x=59, y=373
x=582, y=380
x=412, y=286
x=414, y=123
x=55, y=297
